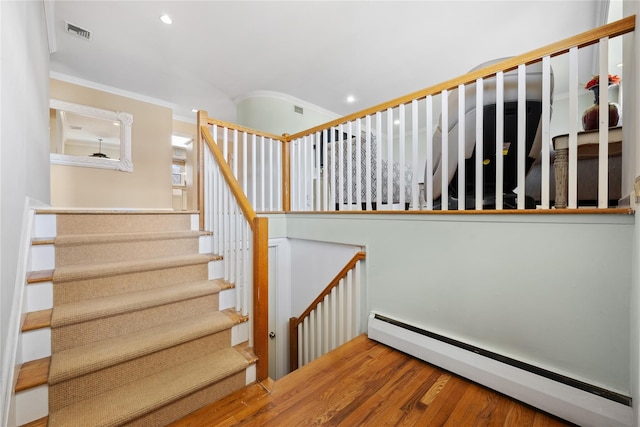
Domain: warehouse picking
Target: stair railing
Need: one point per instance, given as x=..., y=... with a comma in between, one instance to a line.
x=239, y=235
x=331, y=320
x=378, y=156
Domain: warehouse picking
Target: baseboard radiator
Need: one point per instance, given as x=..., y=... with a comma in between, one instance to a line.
x=569, y=399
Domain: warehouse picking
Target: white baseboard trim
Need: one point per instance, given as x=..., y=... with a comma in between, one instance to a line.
x=566, y=402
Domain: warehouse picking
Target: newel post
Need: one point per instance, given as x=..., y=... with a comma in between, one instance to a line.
x=286, y=174
x=293, y=344
x=261, y=296
x=201, y=120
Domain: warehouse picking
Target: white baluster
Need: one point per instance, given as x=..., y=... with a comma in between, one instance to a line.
x=245, y=184
x=359, y=171
x=378, y=160
x=479, y=143
x=462, y=188
x=522, y=143
x=603, y=134
x=254, y=170
x=415, y=155
x=499, y=140
x=444, y=152
x=326, y=190
x=368, y=171
x=338, y=146
x=389, y=158
x=315, y=141
x=428, y=185
x=235, y=153
x=349, y=159
x=573, y=130
x=546, y=140
x=262, y=173
x=401, y=155
x=272, y=174
x=225, y=144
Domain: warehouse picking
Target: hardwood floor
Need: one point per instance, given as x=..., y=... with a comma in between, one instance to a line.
x=364, y=383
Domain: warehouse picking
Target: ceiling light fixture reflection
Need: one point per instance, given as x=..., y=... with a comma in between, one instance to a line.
x=166, y=19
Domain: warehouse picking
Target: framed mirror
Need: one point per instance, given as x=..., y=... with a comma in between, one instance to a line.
x=90, y=137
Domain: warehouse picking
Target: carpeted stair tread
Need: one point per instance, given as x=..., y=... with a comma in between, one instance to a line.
x=91, y=271
x=136, y=399
x=72, y=313
x=81, y=360
x=78, y=239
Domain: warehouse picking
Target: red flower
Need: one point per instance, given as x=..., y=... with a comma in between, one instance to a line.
x=614, y=79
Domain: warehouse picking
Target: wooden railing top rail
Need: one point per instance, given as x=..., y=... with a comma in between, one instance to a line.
x=336, y=280
x=587, y=38
x=235, y=188
x=240, y=128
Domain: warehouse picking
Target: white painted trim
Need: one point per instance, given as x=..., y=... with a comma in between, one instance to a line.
x=50, y=22
x=566, y=402
x=10, y=348
x=285, y=97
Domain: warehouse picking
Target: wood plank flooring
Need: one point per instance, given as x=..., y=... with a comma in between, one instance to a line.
x=364, y=383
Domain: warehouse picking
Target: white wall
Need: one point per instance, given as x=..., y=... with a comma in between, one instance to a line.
x=550, y=291
x=24, y=147
x=313, y=265
x=273, y=112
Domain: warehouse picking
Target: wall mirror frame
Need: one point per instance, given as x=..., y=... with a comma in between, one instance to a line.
x=124, y=163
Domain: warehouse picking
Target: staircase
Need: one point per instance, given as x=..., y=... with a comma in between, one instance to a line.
x=141, y=326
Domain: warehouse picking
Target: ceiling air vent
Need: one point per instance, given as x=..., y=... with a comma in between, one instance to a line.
x=298, y=110
x=77, y=31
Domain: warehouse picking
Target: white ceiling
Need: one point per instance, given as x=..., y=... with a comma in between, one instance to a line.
x=317, y=51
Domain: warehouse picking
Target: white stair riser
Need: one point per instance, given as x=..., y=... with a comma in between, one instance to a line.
x=216, y=269
x=206, y=244
x=39, y=296
x=240, y=333
x=251, y=374
x=195, y=222
x=35, y=344
x=227, y=299
x=32, y=404
x=42, y=257
x=45, y=225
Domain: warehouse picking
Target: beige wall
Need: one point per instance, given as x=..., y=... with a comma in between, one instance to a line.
x=189, y=129
x=148, y=186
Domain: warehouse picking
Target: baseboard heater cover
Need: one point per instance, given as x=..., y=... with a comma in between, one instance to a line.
x=551, y=395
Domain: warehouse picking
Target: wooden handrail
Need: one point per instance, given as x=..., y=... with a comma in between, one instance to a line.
x=240, y=128
x=294, y=322
x=226, y=172
x=587, y=38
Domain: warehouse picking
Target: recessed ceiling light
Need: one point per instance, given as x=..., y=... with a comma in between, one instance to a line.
x=396, y=122
x=166, y=19
x=350, y=98
x=195, y=110
x=620, y=64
